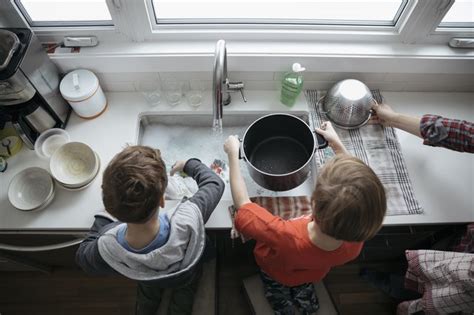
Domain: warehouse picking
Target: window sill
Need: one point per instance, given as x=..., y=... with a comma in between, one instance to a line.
x=317, y=56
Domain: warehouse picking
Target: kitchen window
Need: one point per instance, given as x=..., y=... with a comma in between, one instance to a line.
x=65, y=12
x=302, y=21
x=461, y=14
x=310, y=12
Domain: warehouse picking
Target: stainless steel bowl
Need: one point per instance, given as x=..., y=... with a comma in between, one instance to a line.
x=348, y=104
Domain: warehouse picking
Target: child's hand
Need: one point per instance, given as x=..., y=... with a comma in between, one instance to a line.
x=178, y=166
x=328, y=132
x=232, y=146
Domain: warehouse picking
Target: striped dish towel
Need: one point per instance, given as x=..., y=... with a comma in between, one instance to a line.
x=284, y=207
x=379, y=148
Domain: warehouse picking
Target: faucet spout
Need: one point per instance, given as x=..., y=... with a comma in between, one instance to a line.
x=221, y=85
x=220, y=95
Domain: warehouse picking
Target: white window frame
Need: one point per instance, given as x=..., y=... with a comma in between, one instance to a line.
x=134, y=43
x=135, y=20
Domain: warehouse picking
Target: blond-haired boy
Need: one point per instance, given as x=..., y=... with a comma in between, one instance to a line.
x=348, y=204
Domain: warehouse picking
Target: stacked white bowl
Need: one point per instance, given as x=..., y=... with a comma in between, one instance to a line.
x=74, y=165
x=31, y=189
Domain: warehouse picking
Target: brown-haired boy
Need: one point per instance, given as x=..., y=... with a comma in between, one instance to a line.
x=160, y=249
x=348, y=208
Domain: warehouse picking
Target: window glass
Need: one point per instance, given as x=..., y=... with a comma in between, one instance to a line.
x=65, y=12
x=369, y=12
x=461, y=14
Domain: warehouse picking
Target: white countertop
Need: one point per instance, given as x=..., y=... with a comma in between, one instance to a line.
x=442, y=179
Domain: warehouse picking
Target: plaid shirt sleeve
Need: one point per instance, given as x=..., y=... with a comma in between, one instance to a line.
x=453, y=134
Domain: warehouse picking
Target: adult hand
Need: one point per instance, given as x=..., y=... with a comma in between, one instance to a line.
x=328, y=132
x=178, y=166
x=232, y=146
x=385, y=113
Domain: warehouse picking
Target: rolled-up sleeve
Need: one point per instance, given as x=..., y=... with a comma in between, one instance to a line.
x=449, y=133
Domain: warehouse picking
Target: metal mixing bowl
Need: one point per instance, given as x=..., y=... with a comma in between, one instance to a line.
x=348, y=104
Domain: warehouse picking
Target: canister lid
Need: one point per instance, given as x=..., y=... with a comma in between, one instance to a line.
x=78, y=85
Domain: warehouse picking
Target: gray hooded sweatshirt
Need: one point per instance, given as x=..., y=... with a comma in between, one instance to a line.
x=172, y=263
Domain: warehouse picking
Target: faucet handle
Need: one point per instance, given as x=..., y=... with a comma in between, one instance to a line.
x=237, y=86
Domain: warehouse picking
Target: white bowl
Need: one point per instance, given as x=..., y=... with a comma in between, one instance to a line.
x=74, y=164
x=49, y=141
x=77, y=188
x=31, y=189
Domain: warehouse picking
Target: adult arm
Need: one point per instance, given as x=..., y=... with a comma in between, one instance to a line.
x=388, y=117
x=435, y=130
x=449, y=133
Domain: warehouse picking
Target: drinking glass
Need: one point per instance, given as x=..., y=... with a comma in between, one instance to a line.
x=150, y=90
x=195, y=93
x=173, y=91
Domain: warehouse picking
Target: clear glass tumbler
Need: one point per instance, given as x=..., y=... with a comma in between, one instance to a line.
x=150, y=90
x=173, y=91
x=195, y=93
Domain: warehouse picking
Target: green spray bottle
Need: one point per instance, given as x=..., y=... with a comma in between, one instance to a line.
x=292, y=85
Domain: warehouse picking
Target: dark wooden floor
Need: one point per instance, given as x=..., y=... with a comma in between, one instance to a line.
x=69, y=291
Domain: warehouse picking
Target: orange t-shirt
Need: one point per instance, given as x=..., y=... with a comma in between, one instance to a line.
x=284, y=250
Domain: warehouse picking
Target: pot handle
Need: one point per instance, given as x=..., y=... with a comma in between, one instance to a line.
x=241, y=148
x=322, y=142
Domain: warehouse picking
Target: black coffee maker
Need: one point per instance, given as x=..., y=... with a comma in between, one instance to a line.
x=29, y=86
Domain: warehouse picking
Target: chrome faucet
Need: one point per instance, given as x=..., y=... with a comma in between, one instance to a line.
x=221, y=85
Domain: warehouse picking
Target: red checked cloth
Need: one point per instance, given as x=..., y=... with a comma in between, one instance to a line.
x=284, y=207
x=446, y=280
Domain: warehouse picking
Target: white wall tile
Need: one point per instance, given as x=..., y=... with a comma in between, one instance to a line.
x=253, y=76
x=187, y=75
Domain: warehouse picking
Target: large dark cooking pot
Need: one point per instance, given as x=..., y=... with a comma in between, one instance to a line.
x=278, y=149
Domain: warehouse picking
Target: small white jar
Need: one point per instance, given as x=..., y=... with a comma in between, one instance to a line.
x=82, y=90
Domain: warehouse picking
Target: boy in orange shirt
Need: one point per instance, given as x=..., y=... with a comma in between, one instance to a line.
x=348, y=204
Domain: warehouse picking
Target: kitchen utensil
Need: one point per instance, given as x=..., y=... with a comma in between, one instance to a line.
x=348, y=104
x=74, y=164
x=49, y=141
x=82, y=90
x=77, y=188
x=31, y=189
x=278, y=149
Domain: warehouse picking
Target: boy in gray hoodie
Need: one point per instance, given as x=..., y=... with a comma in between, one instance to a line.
x=159, y=249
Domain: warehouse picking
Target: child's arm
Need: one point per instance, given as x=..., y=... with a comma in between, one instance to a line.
x=87, y=255
x=328, y=132
x=237, y=184
x=211, y=186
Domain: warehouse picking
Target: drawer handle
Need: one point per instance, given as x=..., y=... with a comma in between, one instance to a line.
x=42, y=248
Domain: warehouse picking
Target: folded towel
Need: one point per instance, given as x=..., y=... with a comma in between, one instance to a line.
x=446, y=280
x=378, y=147
x=285, y=207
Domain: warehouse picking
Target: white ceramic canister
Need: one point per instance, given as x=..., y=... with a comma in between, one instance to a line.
x=82, y=90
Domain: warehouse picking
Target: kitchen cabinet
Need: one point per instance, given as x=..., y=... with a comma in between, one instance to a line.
x=391, y=242
x=37, y=252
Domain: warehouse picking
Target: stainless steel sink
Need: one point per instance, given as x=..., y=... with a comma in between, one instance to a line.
x=184, y=135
